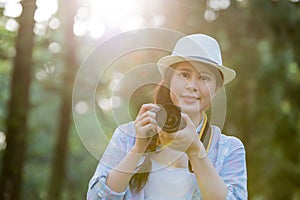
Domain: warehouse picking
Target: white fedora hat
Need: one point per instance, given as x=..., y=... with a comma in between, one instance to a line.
x=200, y=48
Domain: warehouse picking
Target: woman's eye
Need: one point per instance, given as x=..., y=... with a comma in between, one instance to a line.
x=204, y=78
x=184, y=75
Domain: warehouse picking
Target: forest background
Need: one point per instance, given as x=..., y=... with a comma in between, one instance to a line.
x=43, y=43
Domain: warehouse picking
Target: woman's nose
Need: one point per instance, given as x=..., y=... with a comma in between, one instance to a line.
x=192, y=84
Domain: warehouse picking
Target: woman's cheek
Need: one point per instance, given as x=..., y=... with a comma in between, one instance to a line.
x=174, y=98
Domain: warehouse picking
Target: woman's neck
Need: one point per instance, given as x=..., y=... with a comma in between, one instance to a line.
x=196, y=118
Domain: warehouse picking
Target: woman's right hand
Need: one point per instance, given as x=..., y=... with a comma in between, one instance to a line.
x=145, y=127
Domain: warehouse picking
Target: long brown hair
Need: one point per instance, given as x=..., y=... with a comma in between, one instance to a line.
x=161, y=96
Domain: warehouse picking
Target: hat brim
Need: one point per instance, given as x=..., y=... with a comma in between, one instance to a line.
x=167, y=61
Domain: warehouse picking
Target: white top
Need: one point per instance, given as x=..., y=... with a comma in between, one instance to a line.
x=170, y=183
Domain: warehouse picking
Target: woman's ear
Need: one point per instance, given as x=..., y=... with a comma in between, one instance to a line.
x=218, y=86
x=217, y=89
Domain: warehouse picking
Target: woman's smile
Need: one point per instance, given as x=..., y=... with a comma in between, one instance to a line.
x=190, y=99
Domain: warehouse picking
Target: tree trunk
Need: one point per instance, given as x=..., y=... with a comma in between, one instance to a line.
x=61, y=150
x=16, y=121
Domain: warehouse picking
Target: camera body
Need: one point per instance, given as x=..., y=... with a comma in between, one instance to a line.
x=169, y=118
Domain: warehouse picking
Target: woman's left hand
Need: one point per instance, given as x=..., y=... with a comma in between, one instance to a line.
x=185, y=140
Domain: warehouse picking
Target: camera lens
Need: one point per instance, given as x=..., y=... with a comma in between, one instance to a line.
x=169, y=118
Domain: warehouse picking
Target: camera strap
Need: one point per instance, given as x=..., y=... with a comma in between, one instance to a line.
x=205, y=136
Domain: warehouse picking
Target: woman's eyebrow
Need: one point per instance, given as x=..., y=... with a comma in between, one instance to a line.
x=200, y=72
x=205, y=73
x=183, y=69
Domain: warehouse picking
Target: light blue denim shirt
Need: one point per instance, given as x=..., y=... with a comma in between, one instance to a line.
x=226, y=153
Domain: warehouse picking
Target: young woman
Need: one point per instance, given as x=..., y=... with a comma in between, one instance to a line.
x=197, y=161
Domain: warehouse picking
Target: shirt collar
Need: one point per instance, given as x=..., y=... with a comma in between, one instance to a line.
x=200, y=125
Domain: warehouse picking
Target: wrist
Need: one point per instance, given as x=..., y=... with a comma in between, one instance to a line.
x=195, y=149
x=198, y=154
x=195, y=157
x=138, y=150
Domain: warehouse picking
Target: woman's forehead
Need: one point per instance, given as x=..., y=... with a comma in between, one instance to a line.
x=194, y=66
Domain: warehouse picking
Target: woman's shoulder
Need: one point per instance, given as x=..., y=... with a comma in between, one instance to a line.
x=125, y=130
x=125, y=127
x=124, y=135
x=227, y=139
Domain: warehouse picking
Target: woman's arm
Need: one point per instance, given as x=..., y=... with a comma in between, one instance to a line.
x=117, y=150
x=210, y=183
x=186, y=140
x=119, y=177
x=232, y=177
x=119, y=163
x=145, y=125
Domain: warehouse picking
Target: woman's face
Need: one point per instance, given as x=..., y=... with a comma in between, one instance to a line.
x=192, y=87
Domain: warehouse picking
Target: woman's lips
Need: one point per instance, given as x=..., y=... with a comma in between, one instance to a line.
x=190, y=99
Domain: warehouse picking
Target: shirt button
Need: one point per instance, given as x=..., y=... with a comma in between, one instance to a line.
x=100, y=194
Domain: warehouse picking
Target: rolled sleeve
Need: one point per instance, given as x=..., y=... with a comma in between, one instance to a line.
x=99, y=190
x=233, y=194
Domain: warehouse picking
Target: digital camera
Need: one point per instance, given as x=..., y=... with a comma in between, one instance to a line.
x=169, y=118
